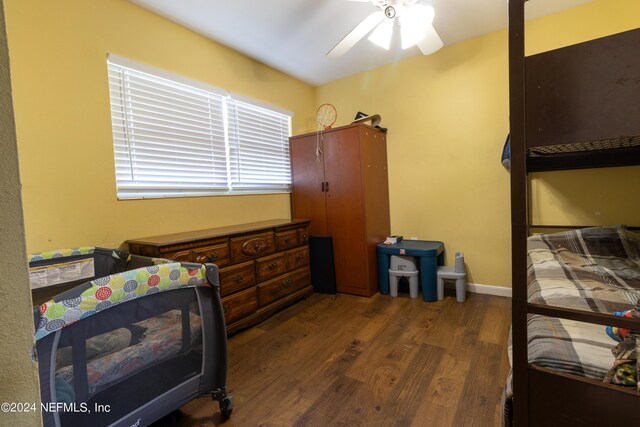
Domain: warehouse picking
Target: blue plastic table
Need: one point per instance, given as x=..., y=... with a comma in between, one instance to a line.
x=431, y=254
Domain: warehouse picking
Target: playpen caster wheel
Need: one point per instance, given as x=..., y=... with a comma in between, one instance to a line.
x=226, y=406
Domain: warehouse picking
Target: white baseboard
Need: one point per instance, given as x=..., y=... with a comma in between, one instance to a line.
x=489, y=289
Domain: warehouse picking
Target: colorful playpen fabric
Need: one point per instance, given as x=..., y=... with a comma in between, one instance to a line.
x=60, y=253
x=105, y=292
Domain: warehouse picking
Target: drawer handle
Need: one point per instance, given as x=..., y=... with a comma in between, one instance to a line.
x=287, y=283
x=254, y=246
x=206, y=258
x=272, y=266
x=299, y=257
x=287, y=239
x=238, y=278
x=304, y=237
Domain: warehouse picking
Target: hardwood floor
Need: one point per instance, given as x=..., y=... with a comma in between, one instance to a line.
x=346, y=360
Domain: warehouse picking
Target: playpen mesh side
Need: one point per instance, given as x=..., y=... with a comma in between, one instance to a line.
x=120, y=359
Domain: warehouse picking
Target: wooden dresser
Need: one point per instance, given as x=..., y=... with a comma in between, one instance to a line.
x=264, y=266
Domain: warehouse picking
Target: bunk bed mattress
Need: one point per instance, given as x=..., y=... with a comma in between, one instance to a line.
x=159, y=338
x=578, y=348
x=564, y=345
x=595, y=269
x=569, y=346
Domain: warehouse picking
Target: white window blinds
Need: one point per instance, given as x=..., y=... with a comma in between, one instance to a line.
x=175, y=137
x=258, y=148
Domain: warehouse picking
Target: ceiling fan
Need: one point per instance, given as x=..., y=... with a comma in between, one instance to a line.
x=416, y=27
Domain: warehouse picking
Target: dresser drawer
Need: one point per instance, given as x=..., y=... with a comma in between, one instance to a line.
x=303, y=235
x=286, y=239
x=237, y=278
x=181, y=256
x=253, y=246
x=217, y=254
x=239, y=305
x=270, y=266
x=282, y=286
x=297, y=258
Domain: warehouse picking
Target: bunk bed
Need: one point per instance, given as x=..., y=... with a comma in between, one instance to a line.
x=571, y=108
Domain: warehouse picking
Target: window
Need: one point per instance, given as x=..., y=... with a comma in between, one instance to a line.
x=174, y=137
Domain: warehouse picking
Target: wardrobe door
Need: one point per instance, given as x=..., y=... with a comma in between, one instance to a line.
x=375, y=185
x=308, y=197
x=345, y=215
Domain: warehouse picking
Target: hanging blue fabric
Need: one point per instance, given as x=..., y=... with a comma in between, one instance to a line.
x=506, y=154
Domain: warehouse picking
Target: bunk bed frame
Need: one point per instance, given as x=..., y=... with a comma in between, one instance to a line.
x=570, y=108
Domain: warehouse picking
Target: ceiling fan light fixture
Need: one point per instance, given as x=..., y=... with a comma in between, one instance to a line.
x=381, y=36
x=414, y=25
x=411, y=34
x=415, y=22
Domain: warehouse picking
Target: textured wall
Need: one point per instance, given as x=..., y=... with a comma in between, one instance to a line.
x=18, y=372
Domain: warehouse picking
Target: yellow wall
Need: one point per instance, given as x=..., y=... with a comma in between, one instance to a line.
x=58, y=61
x=447, y=116
x=608, y=196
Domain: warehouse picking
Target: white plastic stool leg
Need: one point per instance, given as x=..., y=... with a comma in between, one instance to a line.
x=413, y=288
x=393, y=285
x=461, y=293
x=440, y=288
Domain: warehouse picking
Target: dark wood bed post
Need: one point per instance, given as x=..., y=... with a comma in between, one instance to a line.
x=519, y=211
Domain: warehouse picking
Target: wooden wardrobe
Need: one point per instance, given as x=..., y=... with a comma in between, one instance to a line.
x=340, y=182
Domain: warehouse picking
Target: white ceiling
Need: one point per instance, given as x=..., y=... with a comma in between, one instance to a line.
x=294, y=35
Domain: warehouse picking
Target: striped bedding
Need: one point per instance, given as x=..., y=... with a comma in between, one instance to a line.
x=575, y=347
x=566, y=345
x=578, y=348
x=594, y=269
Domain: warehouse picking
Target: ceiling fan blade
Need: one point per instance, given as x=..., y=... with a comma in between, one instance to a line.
x=361, y=30
x=431, y=42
